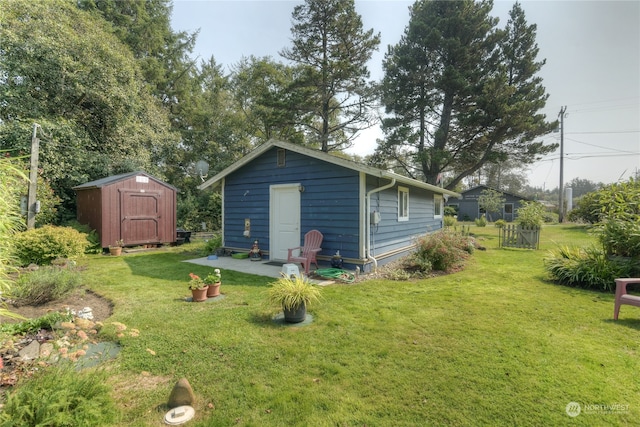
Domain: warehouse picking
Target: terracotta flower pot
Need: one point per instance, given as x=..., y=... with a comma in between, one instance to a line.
x=199, y=295
x=116, y=251
x=214, y=290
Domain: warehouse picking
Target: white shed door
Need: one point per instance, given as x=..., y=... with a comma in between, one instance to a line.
x=284, y=224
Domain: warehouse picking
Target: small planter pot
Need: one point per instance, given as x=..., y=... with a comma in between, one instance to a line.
x=213, y=290
x=199, y=295
x=295, y=314
x=115, y=251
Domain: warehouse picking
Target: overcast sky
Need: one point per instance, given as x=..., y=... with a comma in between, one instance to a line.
x=592, y=49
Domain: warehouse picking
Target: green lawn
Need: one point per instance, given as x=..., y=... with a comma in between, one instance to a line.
x=495, y=344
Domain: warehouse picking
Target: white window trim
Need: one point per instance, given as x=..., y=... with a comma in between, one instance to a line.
x=401, y=192
x=437, y=200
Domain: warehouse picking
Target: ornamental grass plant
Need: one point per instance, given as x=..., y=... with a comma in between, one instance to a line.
x=292, y=292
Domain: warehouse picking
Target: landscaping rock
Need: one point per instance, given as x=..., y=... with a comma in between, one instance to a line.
x=46, y=349
x=30, y=352
x=181, y=395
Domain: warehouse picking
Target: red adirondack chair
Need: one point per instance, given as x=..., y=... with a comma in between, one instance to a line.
x=308, y=251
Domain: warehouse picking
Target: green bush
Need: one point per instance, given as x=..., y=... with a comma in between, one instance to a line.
x=588, y=268
x=500, y=223
x=442, y=250
x=95, y=245
x=450, y=221
x=615, y=200
x=44, y=284
x=550, y=217
x=43, y=245
x=450, y=211
x=620, y=237
x=482, y=221
x=531, y=214
x=212, y=244
x=398, y=274
x=60, y=396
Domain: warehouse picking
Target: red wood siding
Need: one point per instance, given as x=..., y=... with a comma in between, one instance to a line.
x=138, y=209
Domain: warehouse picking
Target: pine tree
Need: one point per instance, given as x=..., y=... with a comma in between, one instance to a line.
x=332, y=49
x=461, y=93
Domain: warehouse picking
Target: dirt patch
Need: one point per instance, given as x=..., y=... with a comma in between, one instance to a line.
x=75, y=301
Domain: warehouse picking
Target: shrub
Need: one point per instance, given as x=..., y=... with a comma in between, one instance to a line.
x=95, y=245
x=620, y=237
x=482, y=221
x=213, y=244
x=500, y=223
x=450, y=211
x=588, y=268
x=61, y=396
x=450, y=221
x=550, y=217
x=45, y=284
x=398, y=274
x=43, y=245
x=531, y=214
x=614, y=200
x=442, y=250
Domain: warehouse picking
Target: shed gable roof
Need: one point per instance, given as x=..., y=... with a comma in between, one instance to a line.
x=316, y=154
x=103, y=182
x=486, y=187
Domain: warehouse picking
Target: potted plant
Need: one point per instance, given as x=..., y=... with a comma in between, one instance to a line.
x=116, y=249
x=198, y=288
x=213, y=280
x=294, y=294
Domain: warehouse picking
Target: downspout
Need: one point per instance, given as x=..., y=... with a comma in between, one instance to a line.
x=368, y=220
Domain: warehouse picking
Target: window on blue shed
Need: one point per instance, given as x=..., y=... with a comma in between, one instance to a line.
x=437, y=206
x=508, y=208
x=403, y=204
x=281, y=157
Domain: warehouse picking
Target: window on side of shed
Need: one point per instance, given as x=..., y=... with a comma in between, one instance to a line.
x=437, y=206
x=282, y=158
x=403, y=204
x=508, y=208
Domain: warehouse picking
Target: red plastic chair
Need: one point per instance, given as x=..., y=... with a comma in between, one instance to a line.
x=622, y=297
x=308, y=251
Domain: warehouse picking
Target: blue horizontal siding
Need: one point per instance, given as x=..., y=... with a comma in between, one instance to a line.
x=392, y=235
x=329, y=202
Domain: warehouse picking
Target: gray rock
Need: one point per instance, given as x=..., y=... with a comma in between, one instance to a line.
x=182, y=394
x=30, y=352
x=46, y=349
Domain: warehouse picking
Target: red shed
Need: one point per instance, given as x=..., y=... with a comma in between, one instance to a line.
x=134, y=207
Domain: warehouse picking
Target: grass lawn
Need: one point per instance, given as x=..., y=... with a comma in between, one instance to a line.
x=495, y=344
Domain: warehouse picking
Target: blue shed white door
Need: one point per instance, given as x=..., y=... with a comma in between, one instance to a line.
x=284, y=223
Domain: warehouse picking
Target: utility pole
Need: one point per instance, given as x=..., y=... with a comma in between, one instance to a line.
x=563, y=110
x=33, y=179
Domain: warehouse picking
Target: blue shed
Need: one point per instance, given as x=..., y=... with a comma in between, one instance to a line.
x=280, y=191
x=468, y=208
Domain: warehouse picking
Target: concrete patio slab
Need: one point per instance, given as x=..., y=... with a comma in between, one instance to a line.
x=259, y=268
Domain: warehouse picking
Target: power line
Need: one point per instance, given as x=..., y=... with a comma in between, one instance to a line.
x=602, y=132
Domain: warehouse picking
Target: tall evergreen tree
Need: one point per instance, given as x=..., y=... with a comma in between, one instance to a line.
x=332, y=48
x=461, y=93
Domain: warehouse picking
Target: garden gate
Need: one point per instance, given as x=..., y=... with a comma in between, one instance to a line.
x=519, y=236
